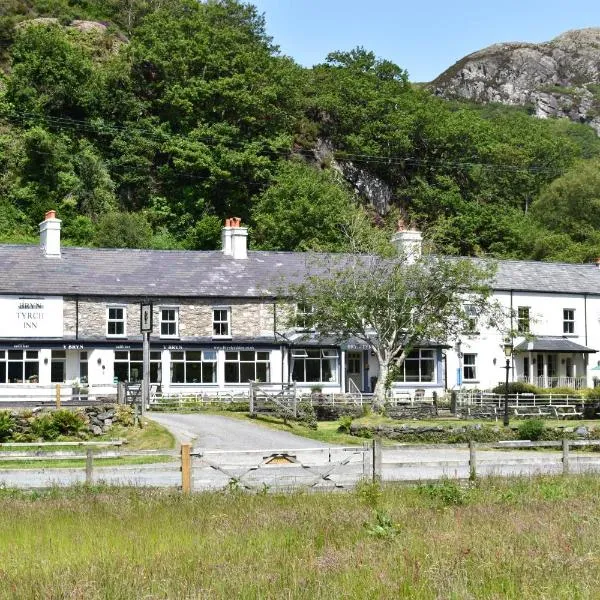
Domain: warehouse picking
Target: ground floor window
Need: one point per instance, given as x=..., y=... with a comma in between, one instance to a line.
x=194, y=366
x=419, y=366
x=58, y=366
x=319, y=365
x=469, y=367
x=83, y=366
x=246, y=365
x=129, y=366
x=19, y=366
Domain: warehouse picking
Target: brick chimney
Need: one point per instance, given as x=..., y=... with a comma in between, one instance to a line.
x=234, y=239
x=408, y=241
x=50, y=235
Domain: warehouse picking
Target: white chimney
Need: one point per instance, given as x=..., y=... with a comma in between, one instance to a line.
x=234, y=239
x=50, y=234
x=408, y=242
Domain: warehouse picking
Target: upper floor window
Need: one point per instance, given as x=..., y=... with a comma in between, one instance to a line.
x=221, y=322
x=303, y=315
x=169, y=322
x=568, y=320
x=115, y=320
x=523, y=319
x=470, y=367
x=471, y=318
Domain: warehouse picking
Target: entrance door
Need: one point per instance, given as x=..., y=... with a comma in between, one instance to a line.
x=354, y=371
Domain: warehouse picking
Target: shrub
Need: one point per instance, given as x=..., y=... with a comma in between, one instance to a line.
x=124, y=415
x=7, y=424
x=67, y=422
x=516, y=387
x=531, y=429
x=44, y=427
x=306, y=415
x=592, y=393
x=345, y=423
x=446, y=492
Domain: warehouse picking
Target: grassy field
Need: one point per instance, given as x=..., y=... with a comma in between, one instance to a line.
x=522, y=539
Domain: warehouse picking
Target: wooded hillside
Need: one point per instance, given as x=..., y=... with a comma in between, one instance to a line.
x=152, y=120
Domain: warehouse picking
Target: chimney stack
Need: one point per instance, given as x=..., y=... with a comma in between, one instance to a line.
x=50, y=235
x=234, y=239
x=408, y=241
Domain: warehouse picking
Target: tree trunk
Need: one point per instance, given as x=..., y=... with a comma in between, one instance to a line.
x=380, y=390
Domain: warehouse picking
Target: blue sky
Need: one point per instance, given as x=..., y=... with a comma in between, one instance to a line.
x=423, y=37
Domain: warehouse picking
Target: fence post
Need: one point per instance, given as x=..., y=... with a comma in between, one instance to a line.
x=472, y=461
x=251, y=398
x=377, y=459
x=453, y=397
x=186, y=469
x=120, y=393
x=89, y=466
x=58, y=395
x=565, y=456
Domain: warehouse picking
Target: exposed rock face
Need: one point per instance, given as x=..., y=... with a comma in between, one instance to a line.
x=558, y=78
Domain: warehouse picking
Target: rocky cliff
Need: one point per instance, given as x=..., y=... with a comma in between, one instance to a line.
x=560, y=78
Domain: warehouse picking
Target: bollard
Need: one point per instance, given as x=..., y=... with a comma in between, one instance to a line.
x=89, y=465
x=186, y=469
x=565, y=456
x=472, y=461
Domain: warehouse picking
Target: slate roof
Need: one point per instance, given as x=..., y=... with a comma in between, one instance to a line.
x=178, y=273
x=551, y=344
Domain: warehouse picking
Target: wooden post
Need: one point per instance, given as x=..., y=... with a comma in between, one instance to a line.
x=251, y=407
x=565, y=456
x=472, y=461
x=146, y=377
x=58, y=395
x=89, y=466
x=186, y=469
x=377, y=459
x=366, y=461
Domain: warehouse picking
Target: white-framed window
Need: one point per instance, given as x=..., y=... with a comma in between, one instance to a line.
x=245, y=365
x=169, y=322
x=315, y=365
x=222, y=321
x=303, y=315
x=419, y=366
x=83, y=366
x=116, y=321
x=568, y=320
x=129, y=366
x=471, y=315
x=523, y=319
x=469, y=367
x=194, y=366
x=19, y=366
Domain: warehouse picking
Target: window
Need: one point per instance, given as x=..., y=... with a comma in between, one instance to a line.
x=523, y=319
x=419, y=366
x=245, y=365
x=129, y=366
x=303, y=315
x=469, y=367
x=568, y=320
x=318, y=365
x=115, y=320
x=169, y=322
x=83, y=366
x=471, y=315
x=194, y=366
x=58, y=366
x=18, y=366
x=221, y=322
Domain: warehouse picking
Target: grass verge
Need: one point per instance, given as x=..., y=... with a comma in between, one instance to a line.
x=522, y=539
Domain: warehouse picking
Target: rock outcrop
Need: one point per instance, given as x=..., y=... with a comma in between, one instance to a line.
x=560, y=78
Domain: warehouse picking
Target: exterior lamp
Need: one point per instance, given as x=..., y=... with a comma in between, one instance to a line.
x=508, y=350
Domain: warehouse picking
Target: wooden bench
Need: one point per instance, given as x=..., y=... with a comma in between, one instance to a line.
x=527, y=412
x=568, y=411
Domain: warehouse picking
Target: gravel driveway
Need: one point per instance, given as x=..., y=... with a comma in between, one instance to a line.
x=214, y=432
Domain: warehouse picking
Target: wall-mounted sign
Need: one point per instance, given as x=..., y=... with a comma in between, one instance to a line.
x=31, y=317
x=145, y=317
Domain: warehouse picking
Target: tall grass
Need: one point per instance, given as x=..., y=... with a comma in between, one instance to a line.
x=537, y=538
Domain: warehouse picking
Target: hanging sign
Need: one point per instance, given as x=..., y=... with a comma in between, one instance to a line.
x=145, y=317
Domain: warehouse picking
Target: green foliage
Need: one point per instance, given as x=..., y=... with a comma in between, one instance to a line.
x=382, y=526
x=369, y=492
x=446, y=492
x=531, y=429
x=307, y=415
x=7, y=424
x=123, y=230
x=515, y=387
x=124, y=415
x=44, y=427
x=68, y=422
x=345, y=423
